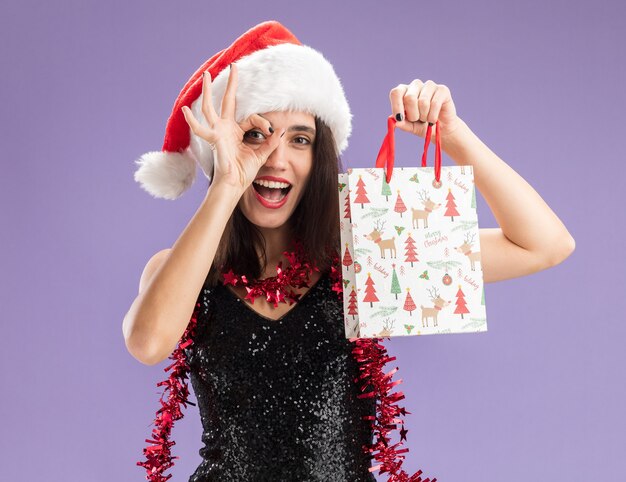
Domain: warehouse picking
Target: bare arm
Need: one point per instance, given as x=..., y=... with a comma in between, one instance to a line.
x=531, y=237
x=173, y=278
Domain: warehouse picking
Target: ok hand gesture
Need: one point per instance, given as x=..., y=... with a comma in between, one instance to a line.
x=236, y=163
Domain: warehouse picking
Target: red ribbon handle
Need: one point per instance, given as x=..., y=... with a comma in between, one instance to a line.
x=387, y=152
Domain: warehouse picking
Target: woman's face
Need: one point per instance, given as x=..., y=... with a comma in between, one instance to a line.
x=290, y=163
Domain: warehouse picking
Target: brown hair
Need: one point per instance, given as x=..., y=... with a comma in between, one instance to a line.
x=315, y=221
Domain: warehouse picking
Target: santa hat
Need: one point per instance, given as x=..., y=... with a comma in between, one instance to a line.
x=276, y=73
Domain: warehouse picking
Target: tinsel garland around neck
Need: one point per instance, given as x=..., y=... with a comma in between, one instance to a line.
x=369, y=352
x=277, y=289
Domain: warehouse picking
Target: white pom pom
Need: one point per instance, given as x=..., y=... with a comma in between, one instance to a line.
x=165, y=175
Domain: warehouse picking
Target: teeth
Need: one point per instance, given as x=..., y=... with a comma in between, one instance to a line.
x=272, y=184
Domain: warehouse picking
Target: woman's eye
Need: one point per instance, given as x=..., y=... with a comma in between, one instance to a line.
x=252, y=135
x=259, y=136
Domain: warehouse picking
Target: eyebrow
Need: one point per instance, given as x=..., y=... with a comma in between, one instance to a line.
x=299, y=128
x=296, y=128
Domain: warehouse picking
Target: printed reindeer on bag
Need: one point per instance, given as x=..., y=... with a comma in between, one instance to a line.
x=466, y=249
x=432, y=312
x=387, y=328
x=383, y=244
x=428, y=214
x=429, y=207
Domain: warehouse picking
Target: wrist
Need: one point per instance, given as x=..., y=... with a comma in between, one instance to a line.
x=459, y=128
x=457, y=137
x=223, y=192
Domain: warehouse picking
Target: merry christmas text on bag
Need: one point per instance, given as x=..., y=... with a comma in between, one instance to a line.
x=410, y=247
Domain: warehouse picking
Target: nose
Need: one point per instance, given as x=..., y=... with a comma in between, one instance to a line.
x=278, y=157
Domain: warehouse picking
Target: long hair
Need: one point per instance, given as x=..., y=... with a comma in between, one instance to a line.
x=315, y=221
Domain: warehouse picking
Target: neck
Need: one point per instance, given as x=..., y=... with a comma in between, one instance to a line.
x=277, y=240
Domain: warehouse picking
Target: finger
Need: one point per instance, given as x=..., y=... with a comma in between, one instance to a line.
x=395, y=98
x=207, y=100
x=264, y=151
x=197, y=128
x=410, y=100
x=228, y=102
x=258, y=121
x=424, y=99
x=441, y=95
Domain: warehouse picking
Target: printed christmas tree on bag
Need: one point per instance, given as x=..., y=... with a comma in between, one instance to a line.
x=410, y=256
x=346, y=210
x=450, y=206
x=433, y=255
x=400, y=207
x=352, y=304
x=461, y=306
x=361, y=194
x=395, y=284
x=347, y=259
x=385, y=190
x=370, y=291
x=409, y=304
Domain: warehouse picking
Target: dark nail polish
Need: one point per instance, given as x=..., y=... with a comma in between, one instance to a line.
x=399, y=117
x=271, y=129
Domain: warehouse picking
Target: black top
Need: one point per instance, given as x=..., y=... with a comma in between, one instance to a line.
x=277, y=398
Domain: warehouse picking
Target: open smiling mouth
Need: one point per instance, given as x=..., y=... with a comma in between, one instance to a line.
x=272, y=194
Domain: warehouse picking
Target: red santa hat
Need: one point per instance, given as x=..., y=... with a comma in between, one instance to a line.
x=276, y=73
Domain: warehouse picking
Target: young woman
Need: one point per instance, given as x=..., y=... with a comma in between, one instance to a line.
x=256, y=267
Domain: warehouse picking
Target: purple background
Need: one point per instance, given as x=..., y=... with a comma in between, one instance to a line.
x=87, y=87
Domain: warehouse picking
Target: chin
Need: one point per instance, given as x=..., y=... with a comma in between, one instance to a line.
x=267, y=222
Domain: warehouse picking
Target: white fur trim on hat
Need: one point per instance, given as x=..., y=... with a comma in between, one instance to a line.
x=166, y=174
x=284, y=77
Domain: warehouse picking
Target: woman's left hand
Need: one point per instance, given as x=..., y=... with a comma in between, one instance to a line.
x=422, y=102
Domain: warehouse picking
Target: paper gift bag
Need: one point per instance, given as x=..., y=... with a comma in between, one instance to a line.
x=410, y=247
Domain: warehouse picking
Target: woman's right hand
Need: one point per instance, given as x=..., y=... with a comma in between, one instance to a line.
x=236, y=163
